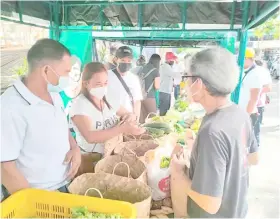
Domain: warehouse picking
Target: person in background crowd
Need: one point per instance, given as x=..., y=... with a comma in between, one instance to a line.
x=150, y=73
x=267, y=84
x=72, y=88
x=124, y=88
x=250, y=91
x=217, y=181
x=141, y=62
x=95, y=120
x=166, y=83
x=112, y=59
x=37, y=149
x=177, y=78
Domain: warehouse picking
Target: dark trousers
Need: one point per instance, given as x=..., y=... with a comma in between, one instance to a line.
x=261, y=111
x=176, y=91
x=164, y=103
x=255, y=119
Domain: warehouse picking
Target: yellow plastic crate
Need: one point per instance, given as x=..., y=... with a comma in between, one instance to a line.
x=44, y=204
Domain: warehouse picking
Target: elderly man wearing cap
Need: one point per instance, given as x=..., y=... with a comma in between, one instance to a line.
x=251, y=88
x=166, y=83
x=124, y=88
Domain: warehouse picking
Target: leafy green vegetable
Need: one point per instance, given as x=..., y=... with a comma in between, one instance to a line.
x=174, y=116
x=181, y=105
x=155, y=132
x=178, y=128
x=164, y=162
x=82, y=212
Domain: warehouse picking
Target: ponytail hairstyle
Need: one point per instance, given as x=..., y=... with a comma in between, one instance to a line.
x=89, y=70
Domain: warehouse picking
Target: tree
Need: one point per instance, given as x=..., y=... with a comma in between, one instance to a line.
x=270, y=28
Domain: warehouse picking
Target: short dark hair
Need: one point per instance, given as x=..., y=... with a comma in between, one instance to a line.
x=155, y=60
x=45, y=49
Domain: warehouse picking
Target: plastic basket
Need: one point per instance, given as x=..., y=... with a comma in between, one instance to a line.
x=44, y=204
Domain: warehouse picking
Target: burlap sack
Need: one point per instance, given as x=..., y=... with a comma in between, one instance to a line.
x=111, y=144
x=88, y=162
x=127, y=165
x=127, y=138
x=115, y=188
x=139, y=148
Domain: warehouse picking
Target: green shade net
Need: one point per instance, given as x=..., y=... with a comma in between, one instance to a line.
x=79, y=43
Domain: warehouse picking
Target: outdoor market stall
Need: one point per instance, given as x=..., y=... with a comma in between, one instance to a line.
x=166, y=23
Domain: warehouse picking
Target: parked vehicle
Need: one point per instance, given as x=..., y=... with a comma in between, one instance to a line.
x=275, y=68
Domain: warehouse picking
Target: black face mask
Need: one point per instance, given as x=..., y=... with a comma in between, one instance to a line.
x=171, y=63
x=124, y=67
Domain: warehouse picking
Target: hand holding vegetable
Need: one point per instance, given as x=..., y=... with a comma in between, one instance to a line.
x=129, y=118
x=132, y=129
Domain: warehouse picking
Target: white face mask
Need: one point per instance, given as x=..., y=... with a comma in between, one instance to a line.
x=98, y=92
x=62, y=83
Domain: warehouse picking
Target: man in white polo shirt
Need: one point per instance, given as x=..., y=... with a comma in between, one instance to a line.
x=37, y=149
x=250, y=90
x=124, y=88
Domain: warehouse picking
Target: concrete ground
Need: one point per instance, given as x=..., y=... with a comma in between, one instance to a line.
x=264, y=192
x=10, y=60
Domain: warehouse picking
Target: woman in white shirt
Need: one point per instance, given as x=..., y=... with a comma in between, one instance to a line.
x=95, y=121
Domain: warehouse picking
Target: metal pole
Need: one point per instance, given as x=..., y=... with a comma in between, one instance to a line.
x=19, y=4
x=150, y=30
x=140, y=16
x=184, y=15
x=264, y=14
x=101, y=17
x=136, y=2
x=56, y=18
x=242, y=48
x=241, y=59
x=232, y=17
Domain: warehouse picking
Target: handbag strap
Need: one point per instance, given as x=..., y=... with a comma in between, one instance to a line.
x=145, y=76
x=124, y=86
x=247, y=72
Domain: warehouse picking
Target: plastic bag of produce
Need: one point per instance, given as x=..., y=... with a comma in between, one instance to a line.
x=115, y=188
x=127, y=165
x=158, y=172
x=111, y=144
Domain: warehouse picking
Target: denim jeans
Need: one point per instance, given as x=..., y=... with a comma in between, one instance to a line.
x=176, y=91
x=164, y=103
x=261, y=111
x=255, y=119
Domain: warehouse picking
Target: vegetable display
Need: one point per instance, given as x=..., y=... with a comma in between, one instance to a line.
x=154, y=132
x=82, y=212
x=181, y=105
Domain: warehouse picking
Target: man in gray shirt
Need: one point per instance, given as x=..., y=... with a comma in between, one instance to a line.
x=225, y=145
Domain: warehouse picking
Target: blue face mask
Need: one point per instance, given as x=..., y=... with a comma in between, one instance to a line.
x=62, y=84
